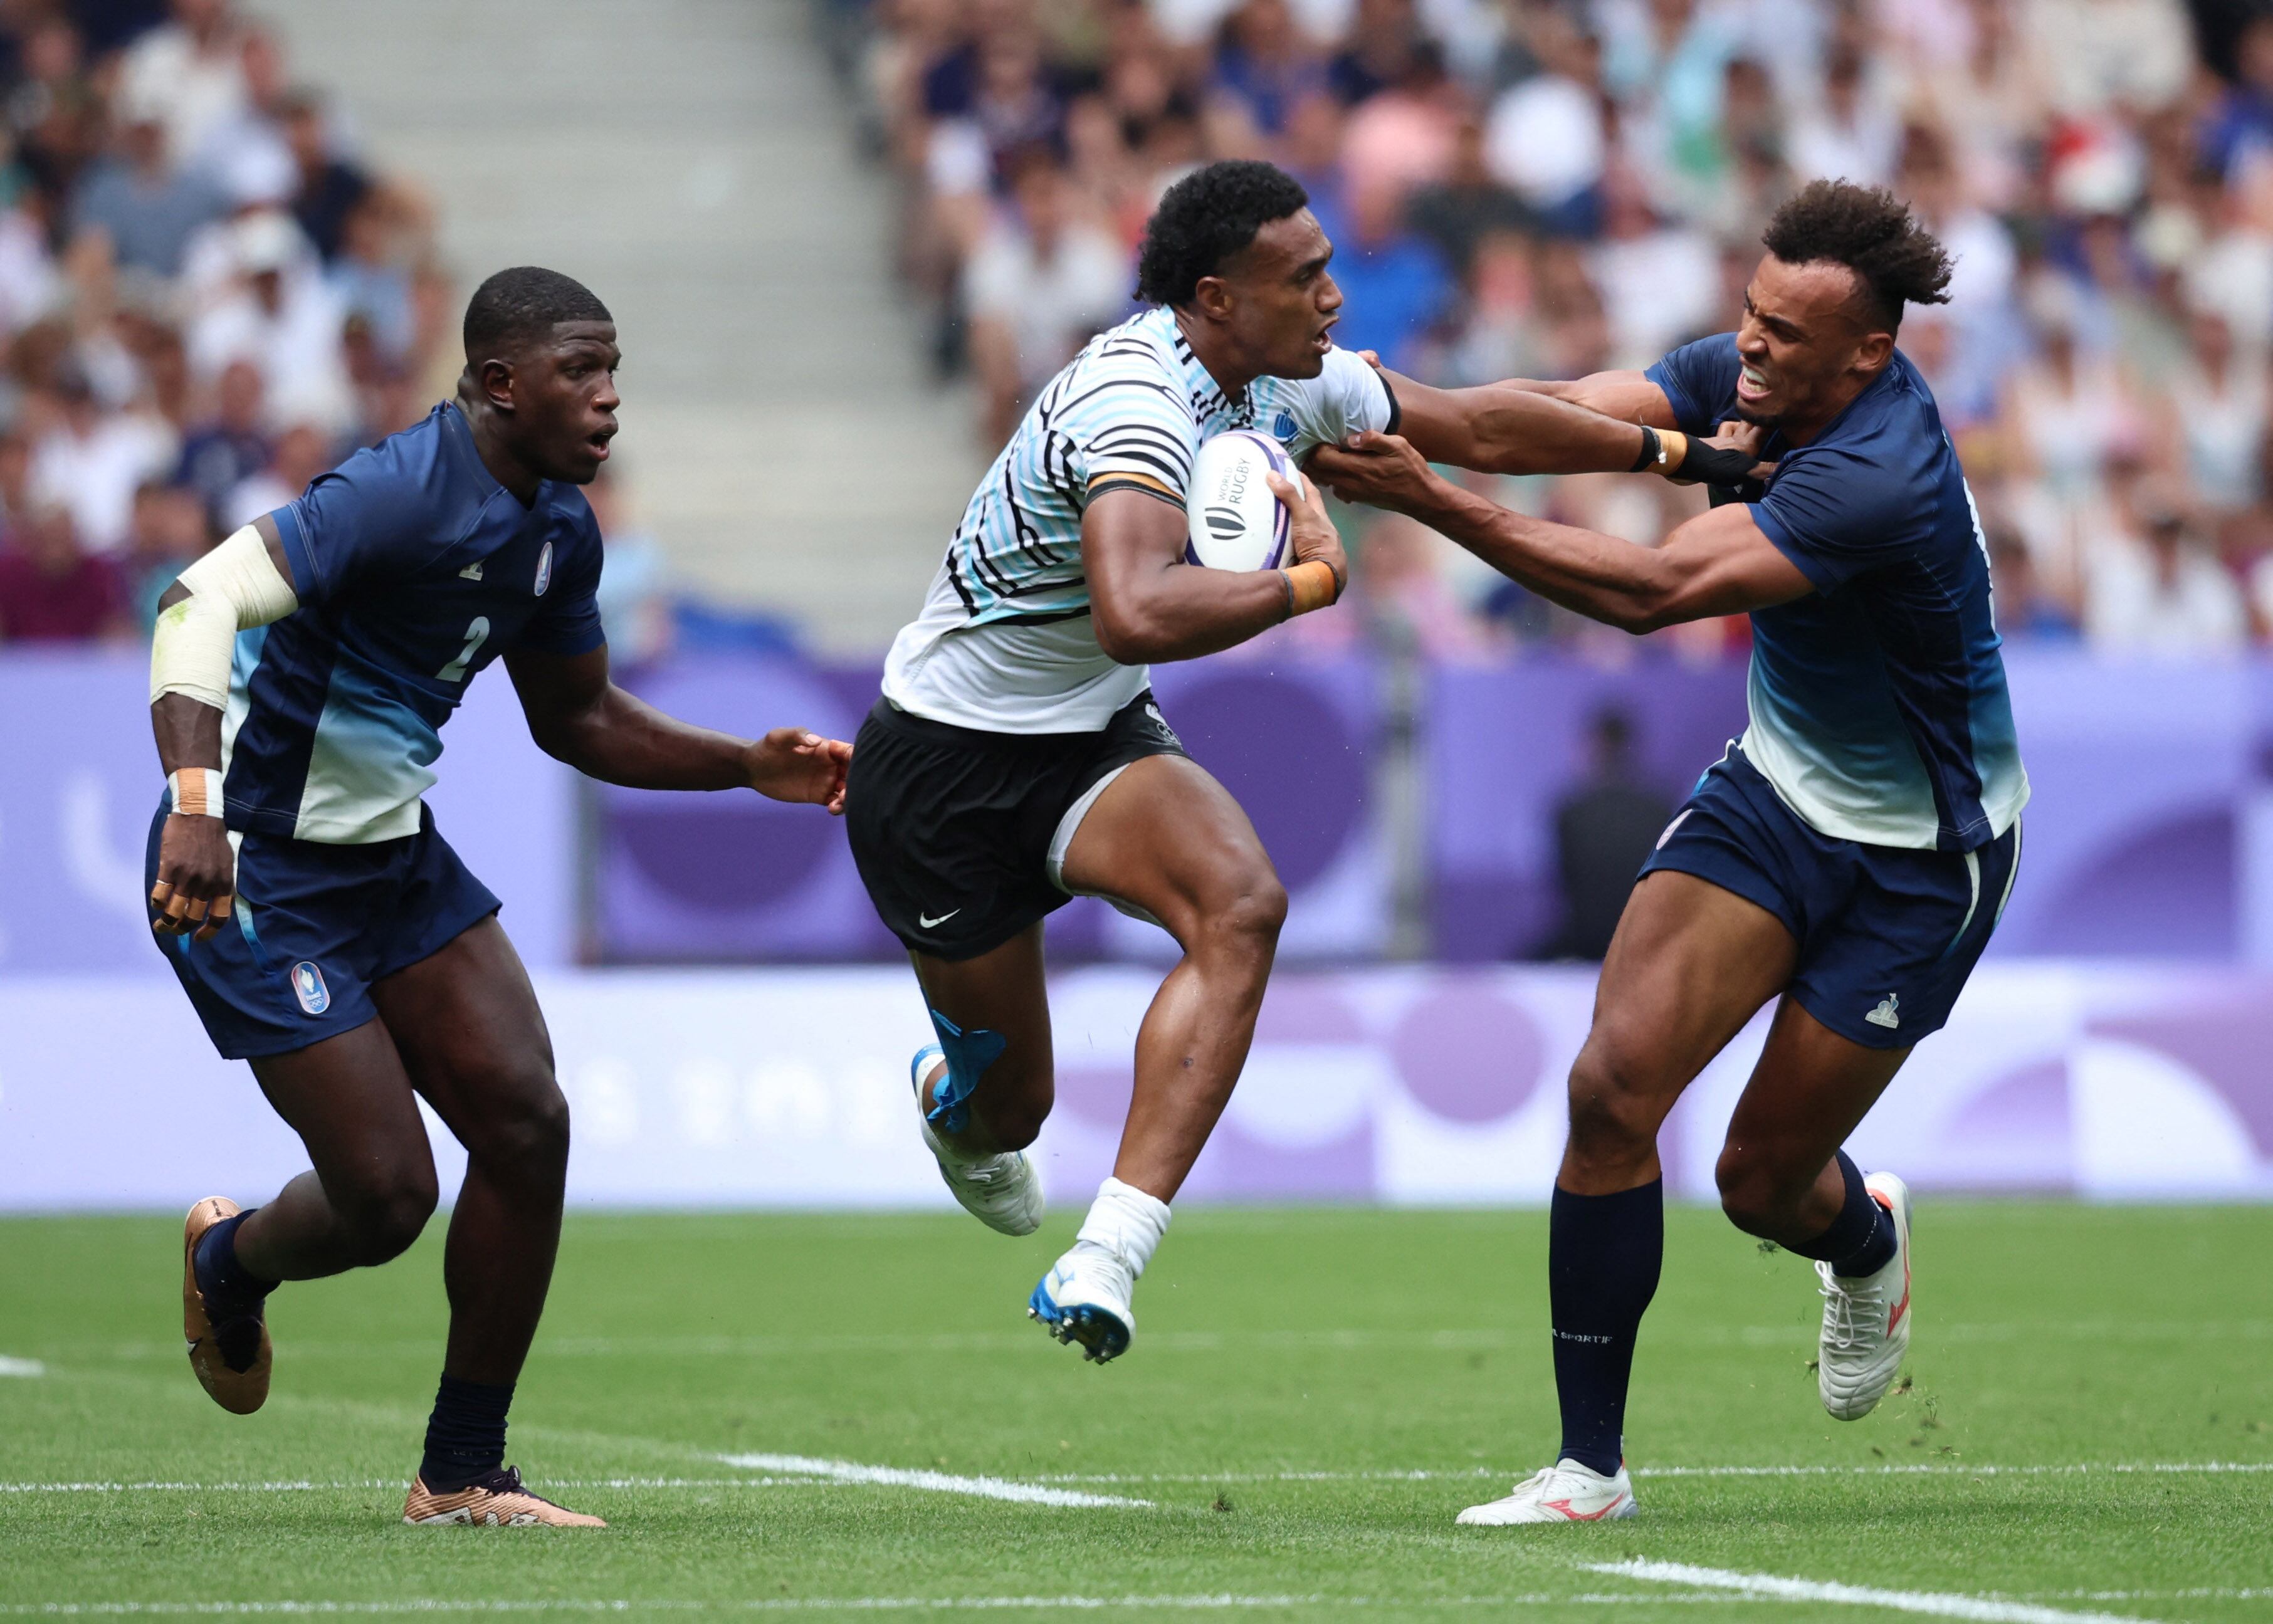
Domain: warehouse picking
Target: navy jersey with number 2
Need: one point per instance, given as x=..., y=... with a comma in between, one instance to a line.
x=414, y=570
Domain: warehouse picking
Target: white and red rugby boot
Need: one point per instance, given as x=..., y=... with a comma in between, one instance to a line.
x=1564, y=1492
x=1866, y=1319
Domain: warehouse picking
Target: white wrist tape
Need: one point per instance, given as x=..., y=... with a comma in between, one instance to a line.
x=196, y=791
x=235, y=585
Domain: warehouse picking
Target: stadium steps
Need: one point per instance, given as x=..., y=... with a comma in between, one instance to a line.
x=693, y=161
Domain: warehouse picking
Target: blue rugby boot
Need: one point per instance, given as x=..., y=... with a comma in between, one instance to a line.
x=1084, y=1299
x=1001, y=1191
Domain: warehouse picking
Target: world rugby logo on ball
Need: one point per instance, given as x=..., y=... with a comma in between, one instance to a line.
x=1233, y=521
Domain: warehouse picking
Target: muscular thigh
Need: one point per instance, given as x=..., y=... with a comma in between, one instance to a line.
x=466, y=1021
x=1689, y=964
x=1167, y=838
x=349, y=1100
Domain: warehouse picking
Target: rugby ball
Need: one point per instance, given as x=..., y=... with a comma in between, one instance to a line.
x=1232, y=520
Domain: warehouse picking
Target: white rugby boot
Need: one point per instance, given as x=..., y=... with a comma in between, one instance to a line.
x=1866, y=1319
x=1002, y=1191
x=1084, y=1299
x=1564, y=1492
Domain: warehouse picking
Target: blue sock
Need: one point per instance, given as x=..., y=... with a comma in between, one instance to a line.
x=1861, y=1240
x=231, y=1290
x=1603, y=1255
x=465, y=1436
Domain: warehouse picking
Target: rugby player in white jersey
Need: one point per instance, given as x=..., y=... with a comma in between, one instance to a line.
x=1015, y=759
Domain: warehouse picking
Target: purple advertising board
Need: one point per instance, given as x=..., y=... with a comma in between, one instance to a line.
x=1404, y=1085
x=695, y=878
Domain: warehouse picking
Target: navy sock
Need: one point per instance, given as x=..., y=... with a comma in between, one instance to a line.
x=1603, y=1254
x=231, y=1290
x=1861, y=1240
x=465, y=1436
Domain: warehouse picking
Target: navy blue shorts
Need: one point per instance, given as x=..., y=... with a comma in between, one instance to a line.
x=1887, y=935
x=313, y=927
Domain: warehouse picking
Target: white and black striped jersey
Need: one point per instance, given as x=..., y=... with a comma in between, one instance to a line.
x=1005, y=642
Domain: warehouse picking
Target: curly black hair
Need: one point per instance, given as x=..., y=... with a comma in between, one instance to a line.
x=1873, y=234
x=521, y=303
x=1207, y=217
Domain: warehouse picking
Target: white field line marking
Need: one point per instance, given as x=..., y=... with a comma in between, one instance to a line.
x=1896, y=1469
x=1460, y=1340
x=841, y=1473
x=21, y=1367
x=2200, y=1593
x=861, y=1603
x=310, y=1486
x=1772, y=1588
x=937, y=1482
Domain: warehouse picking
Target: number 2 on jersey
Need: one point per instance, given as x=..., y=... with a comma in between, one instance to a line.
x=477, y=633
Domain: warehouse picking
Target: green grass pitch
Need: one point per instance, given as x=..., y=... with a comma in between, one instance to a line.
x=1313, y=1394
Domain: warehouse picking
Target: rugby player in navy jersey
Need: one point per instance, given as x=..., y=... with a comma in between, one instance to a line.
x=1847, y=858
x=323, y=929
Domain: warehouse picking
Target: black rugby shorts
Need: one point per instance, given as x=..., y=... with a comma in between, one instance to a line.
x=951, y=826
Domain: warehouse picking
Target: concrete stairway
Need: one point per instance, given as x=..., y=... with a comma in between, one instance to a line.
x=691, y=160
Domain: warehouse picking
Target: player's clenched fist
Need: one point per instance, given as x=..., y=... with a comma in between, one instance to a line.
x=790, y=764
x=197, y=877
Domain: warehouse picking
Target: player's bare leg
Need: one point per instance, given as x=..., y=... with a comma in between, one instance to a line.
x=474, y=1043
x=1164, y=837
x=996, y=1009
x=363, y=1203
x=1779, y=1173
x=1689, y=965
x=1170, y=839
x=1001, y=991
x=1783, y=1177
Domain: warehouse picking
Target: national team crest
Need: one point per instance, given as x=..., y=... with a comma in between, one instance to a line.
x=1282, y=426
x=544, y=569
x=308, y=986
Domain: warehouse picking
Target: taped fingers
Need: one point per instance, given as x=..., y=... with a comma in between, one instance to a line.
x=178, y=912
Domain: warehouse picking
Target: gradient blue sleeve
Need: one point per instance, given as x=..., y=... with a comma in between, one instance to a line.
x=354, y=522
x=1700, y=380
x=1834, y=514
x=567, y=621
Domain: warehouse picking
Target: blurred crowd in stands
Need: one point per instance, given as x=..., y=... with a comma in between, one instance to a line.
x=207, y=298
x=1545, y=188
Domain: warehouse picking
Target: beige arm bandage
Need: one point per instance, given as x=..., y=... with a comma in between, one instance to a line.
x=235, y=585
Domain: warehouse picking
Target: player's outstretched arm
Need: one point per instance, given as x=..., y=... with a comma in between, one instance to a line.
x=1719, y=563
x=1148, y=605
x=1612, y=422
x=577, y=715
x=245, y=581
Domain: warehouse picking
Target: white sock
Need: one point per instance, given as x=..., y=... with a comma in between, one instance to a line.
x=1127, y=1220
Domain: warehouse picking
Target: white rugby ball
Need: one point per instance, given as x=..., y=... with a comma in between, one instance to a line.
x=1232, y=520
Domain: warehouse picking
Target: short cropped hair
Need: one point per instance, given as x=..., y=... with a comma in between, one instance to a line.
x=522, y=304
x=1873, y=234
x=1207, y=217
